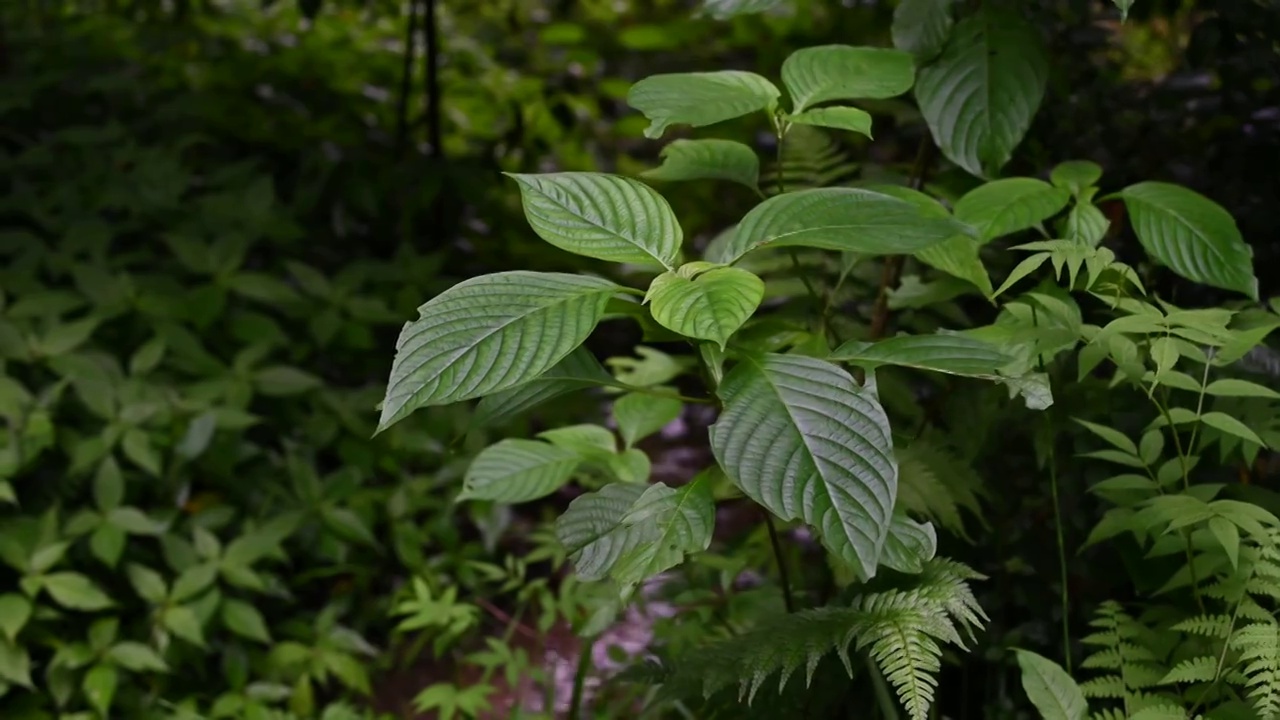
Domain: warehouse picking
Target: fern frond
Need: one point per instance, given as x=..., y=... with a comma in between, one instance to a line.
x=1109, y=714
x=935, y=483
x=811, y=158
x=1197, y=669
x=1259, y=648
x=1213, y=626
x=1106, y=686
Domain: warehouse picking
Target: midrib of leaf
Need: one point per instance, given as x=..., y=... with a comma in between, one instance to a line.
x=590, y=221
x=987, y=117
x=1205, y=240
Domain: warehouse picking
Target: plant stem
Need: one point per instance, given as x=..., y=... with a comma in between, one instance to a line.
x=580, y=679
x=892, y=270
x=406, y=78
x=884, y=699
x=1062, y=551
x=787, y=599
x=791, y=252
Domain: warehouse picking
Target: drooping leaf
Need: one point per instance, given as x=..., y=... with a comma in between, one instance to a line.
x=682, y=520
x=590, y=442
x=845, y=219
x=921, y=27
x=1075, y=175
x=839, y=118
x=1055, y=695
x=1228, y=424
x=578, y=370
x=1191, y=234
x=515, y=471
x=801, y=438
x=1003, y=207
x=958, y=256
x=699, y=99
x=488, y=334
x=1124, y=6
x=708, y=304
x=980, y=95
x=819, y=74
x=592, y=532
x=940, y=352
x=909, y=545
x=640, y=415
x=608, y=217
x=708, y=159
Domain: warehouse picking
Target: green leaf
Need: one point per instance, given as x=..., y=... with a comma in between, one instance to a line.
x=819, y=74
x=1010, y=205
x=838, y=118
x=980, y=95
x=1114, y=437
x=147, y=583
x=99, y=687
x=631, y=465
x=516, y=471
x=607, y=217
x=682, y=521
x=1233, y=387
x=1225, y=423
x=1228, y=536
x=1049, y=687
x=282, y=381
x=640, y=415
x=15, y=664
x=193, y=581
x=590, y=442
x=108, y=484
x=244, y=620
x=488, y=334
x=699, y=99
x=75, y=591
x=183, y=622
x=708, y=159
x=707, y=305
x=725, y=9
x=578, y=370
x=1124, y=6
x=941, y=352
x=15, y=611
x=959, y=257
x=845, y=219
x=909, y=545
x=801, y=438
x=137, y=657
x=592, y=532
x=921, y=27
x=1076, y=175
x=1191, y=234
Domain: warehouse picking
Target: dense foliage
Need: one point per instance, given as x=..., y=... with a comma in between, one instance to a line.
x=877, y=376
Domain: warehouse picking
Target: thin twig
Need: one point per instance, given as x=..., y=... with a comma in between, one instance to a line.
x=785, y=577
x=892, y=270
x=406, y=77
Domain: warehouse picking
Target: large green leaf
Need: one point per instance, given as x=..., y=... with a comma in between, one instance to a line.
x=958, y=256
x=578, y=370
x=1191, y=234
x=1010, y=205
x=941, y=352
x=1049, y=687
x=841, y=72
x=704, y=301
x=488, y=334
x=921, y=27
x=846, y=219
x=515, y=471
x=640, y=415
x=839, y=118
x=676, y=522
x=910, y=544
x=708, y=159
x=801, y=438
x=699, y=99
x=980, y=95
x=608, y=217
x=592, y=532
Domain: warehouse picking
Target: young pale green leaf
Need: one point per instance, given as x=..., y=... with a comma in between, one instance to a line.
x=136, y=657
x=700, y=98
x=838, y=118
x=630, y=466
x=244, y=620
x=909, y=545
x=515, y=471
x=1076, y=175
x=592, y=532
x=841, y=72
x=708, y=159
x=1114, y=437
x=488, y=334
x=1228, y=537
x=921, y=27
x=607, y=217
x=941, y=352
x=1084, y=223
x=577, y=371
x=15, y=610
x=725, y=9
x=1191, y=234
x=980, y=95
x=682, y=519
x=590, y=442
x=845, y=219
x=1006, y=206
x=75, y=591
x=15, y=664
x=801, y=438
x=640, y=415
x=1049, y=687
x=711, y=305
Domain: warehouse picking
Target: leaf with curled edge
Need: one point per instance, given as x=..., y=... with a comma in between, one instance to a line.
x=700, y=98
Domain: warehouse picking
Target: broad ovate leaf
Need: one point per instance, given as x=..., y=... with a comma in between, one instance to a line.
x=1191, y=234
x=679, y=521
x=577, y=371
x=707, y=304
x=921, y=27
x=844, y=219
x=640, y=415
x=799, y=436
x=940, y=352
x=603, y=216
x=1076, y=175
x=838, y=118
x=1055, y=695
x=700, y=98
x=957, y=256
x=708, y=159
x=515, y=471
x=1003, y=207
x=820, y=74
x=910, y=545
x=592, y=532
x=488, y=334
x=980, y=95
